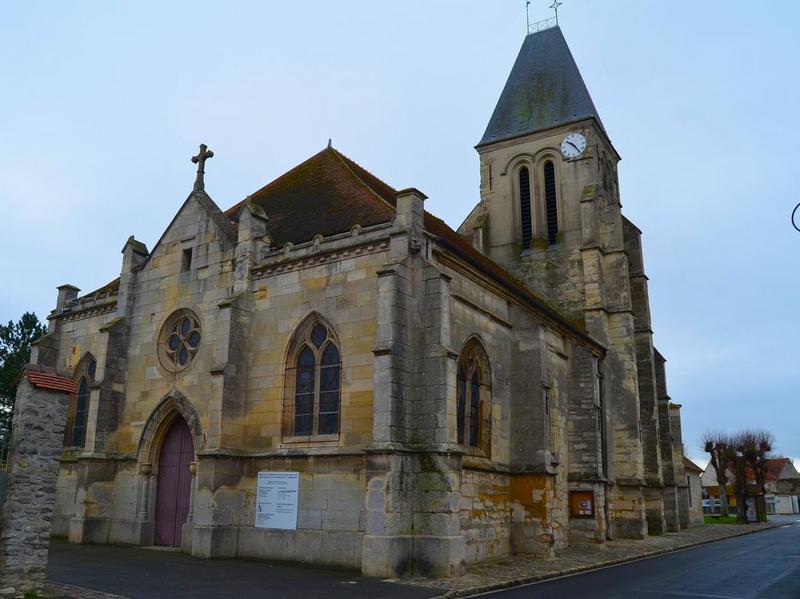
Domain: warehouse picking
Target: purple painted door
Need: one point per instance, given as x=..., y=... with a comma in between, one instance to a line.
x=174, y=484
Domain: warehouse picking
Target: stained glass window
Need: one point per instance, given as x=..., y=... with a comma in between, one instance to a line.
x=180, y=340
x=473, y=398
x=317, y=383
x=304, y=392
x=81, y=414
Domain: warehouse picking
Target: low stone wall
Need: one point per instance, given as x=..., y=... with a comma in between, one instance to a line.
x=2, y=490
x=40, y=414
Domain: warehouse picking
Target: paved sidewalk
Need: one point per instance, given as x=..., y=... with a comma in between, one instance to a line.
x=115, y=572
x=112, y=572
x=521, y=569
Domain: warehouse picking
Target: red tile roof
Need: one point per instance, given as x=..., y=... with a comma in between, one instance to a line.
x=53, y=382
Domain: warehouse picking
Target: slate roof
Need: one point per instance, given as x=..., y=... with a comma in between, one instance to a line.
x=327, y=194
x=544, y=89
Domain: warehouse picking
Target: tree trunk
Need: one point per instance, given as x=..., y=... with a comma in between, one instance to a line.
x=723, y=501
x=741, y=513
x=761, y=499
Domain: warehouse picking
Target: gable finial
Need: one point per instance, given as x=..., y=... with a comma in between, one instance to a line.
x=555, y=6
x=330, y=142
x=200, y=161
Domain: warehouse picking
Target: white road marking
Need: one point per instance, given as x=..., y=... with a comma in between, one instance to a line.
x=683, y=594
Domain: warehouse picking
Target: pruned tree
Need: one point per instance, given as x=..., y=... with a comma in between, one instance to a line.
x=718, y=446
x=765, y=441
x=740, y=457
x=758, y=449
x=15, y=351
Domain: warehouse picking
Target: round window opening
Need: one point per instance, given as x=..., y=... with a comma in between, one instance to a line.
x=179, y=340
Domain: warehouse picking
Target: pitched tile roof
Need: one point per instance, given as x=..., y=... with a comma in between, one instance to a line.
x=690, y=465
x=327, y=194
x=52, y=382
x=543, y=90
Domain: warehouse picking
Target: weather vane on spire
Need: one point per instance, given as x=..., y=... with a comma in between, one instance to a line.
x=528, y=16
x=546, y=23
x=555, y=6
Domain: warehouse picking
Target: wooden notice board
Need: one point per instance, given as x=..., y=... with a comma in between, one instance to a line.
x=581, y=504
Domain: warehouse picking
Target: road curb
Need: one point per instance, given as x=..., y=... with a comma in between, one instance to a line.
x=517, y=582
x=60, y=589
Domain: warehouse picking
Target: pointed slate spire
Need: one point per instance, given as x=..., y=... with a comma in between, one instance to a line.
x=544, y=89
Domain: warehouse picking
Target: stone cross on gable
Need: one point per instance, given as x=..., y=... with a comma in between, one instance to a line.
x=200, y=161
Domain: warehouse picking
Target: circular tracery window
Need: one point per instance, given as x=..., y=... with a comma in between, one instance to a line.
x=179, y=340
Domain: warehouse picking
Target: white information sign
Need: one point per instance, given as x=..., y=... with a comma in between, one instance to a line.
x=276, y=500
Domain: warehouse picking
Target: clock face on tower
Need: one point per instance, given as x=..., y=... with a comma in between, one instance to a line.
x=573, y=145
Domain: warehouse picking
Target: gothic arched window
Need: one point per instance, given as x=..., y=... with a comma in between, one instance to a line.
x=474, y=398
x=313, y=382
x=81, y=414
x=78, y=417
x=525, y=207
x=550, y=201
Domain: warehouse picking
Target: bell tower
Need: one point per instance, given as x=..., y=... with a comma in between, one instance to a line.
x=550, y=213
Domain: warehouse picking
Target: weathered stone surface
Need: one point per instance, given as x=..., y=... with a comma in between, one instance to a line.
x=33, y=464
x=568, y=397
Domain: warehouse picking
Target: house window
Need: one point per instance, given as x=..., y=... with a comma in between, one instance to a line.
x=525, y=207
x=550, y=201
x=314, y=382
x=474, y=404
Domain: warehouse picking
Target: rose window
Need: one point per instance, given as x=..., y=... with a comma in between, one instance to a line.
x=180, y=340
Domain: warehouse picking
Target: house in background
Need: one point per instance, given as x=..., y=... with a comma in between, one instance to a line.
x=782, y=487
x=783, y=493
x=695, y=488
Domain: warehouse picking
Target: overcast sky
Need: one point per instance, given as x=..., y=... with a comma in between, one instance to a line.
x=103, y=103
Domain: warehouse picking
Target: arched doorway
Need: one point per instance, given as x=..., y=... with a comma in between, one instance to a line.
x=174, y=484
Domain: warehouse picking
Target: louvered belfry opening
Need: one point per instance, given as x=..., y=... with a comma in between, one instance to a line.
x=525, y=206
x=550, y=201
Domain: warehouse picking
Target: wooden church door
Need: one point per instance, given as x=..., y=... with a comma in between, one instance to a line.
x=174, y=484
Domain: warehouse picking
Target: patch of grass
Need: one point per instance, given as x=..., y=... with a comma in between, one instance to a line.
x=719, y=519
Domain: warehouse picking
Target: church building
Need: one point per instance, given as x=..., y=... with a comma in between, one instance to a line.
x=326, y=372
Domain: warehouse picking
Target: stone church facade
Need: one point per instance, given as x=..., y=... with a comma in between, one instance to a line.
x=445, y=396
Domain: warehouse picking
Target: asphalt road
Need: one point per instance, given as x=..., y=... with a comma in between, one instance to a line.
x=762, y=565
x=152, y=574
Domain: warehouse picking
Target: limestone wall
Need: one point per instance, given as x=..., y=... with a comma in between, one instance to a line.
x=485, y=514
x=344, y=293
x=331, y=510
x=546, y=409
